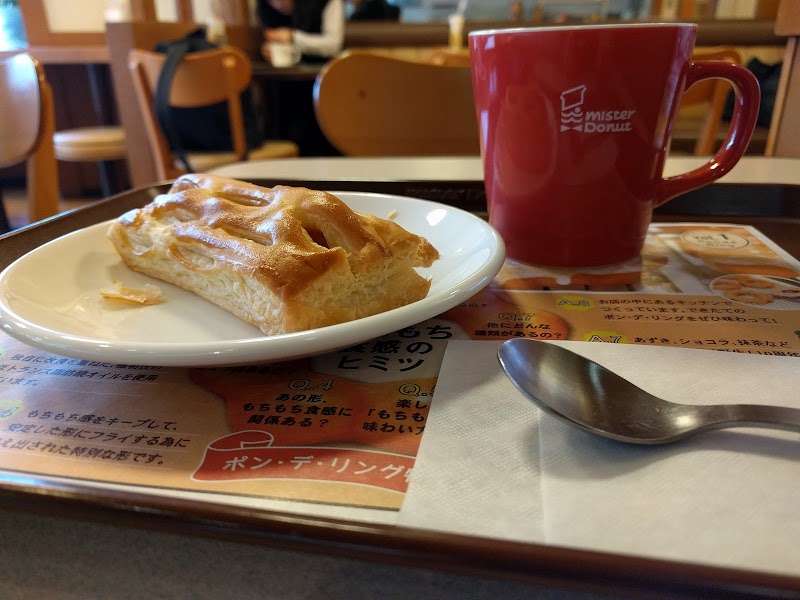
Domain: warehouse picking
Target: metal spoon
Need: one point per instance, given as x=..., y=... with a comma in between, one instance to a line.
x=588, y=395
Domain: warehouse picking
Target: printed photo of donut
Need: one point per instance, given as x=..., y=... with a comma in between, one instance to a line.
x=774, y=293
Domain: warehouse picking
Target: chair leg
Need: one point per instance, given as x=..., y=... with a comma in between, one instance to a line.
x=109, y=182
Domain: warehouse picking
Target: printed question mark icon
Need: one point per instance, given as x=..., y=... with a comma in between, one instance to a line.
x=410, y=389
x=322, y=422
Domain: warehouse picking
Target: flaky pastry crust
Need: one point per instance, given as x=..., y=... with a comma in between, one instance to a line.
x=284, y=259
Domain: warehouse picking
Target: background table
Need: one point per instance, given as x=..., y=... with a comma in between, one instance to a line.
x=749, y=170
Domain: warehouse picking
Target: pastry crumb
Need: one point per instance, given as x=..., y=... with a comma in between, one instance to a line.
x=392, y=215
x=145, y=296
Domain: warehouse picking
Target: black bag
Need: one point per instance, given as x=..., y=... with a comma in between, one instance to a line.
x=202, y=128
x=768, y=76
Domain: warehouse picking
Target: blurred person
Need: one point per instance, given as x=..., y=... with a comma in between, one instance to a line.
x=316, y=28
x=374, y=10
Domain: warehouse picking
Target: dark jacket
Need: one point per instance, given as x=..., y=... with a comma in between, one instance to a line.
x=376, y=10
x=306, y=16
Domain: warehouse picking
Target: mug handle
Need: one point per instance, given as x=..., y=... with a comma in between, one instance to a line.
x=745, y=113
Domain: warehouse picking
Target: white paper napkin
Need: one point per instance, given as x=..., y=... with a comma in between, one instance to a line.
x=729, y=497
x=477, y=470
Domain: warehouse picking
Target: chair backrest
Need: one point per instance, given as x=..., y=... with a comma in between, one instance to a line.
x=202, y=78
x=27, y=123
x=376, y=105
x=706, y=99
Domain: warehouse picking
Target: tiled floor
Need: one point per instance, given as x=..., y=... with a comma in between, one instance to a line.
x=16, y=205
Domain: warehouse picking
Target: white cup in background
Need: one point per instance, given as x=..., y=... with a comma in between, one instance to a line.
x=456, y=23
x=117, y=11
x=282, y=54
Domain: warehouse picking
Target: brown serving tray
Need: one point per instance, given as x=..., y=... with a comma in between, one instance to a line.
x=775, y=210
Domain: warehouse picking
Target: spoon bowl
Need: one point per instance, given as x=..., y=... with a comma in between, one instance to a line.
x=588, y=395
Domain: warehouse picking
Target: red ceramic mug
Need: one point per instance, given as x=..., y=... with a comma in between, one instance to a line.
x=575, y=124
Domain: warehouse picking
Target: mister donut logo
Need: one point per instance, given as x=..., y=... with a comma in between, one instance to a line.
x=576, y=116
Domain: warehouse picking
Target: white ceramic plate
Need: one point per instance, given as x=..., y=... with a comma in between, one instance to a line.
x=50, y=298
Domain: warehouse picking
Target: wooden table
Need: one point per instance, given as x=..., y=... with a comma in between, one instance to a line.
x=299, y=72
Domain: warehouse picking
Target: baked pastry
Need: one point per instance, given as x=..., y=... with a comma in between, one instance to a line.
x=284, y=259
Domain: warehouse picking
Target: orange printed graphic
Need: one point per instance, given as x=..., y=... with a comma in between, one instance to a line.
x=494, y=314
x=321, y=409
x=248, y=455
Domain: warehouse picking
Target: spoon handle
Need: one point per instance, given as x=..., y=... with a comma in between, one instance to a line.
x=755, y=415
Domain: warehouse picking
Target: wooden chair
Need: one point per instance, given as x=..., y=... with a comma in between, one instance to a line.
x=202, y=78
x=371, y=104
x=26, y=132
x=784, y=131
x=102, y=144
x=702, y=105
